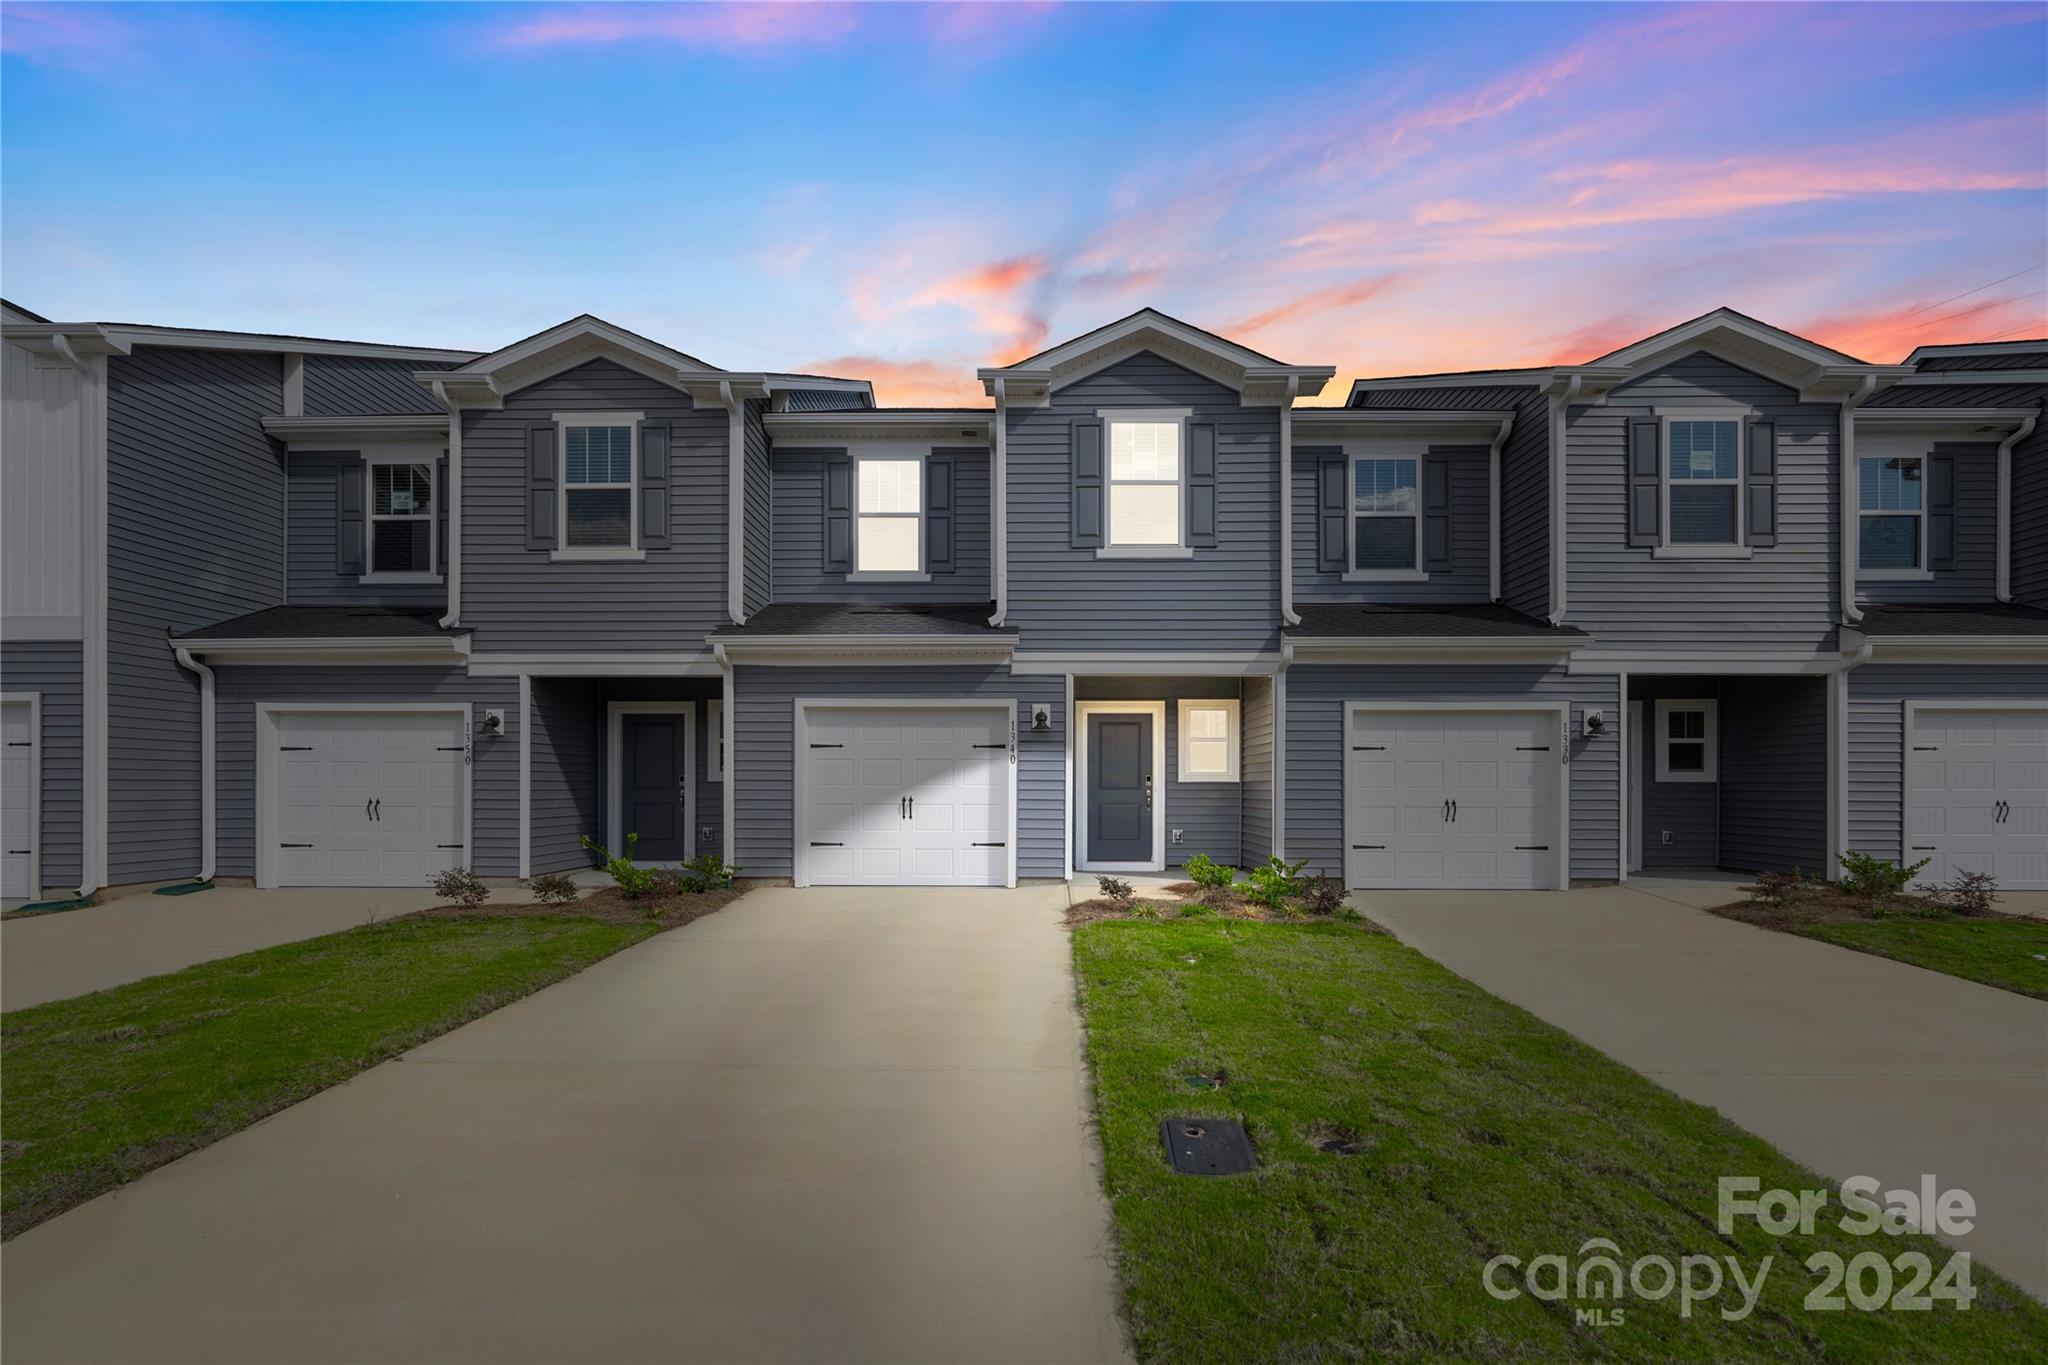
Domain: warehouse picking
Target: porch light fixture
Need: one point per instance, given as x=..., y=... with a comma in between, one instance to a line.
x=1041, y=720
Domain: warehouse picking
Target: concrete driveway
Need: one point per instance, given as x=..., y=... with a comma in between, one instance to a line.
x=818, y=1126
x=1851, y=1064
x=73, y=952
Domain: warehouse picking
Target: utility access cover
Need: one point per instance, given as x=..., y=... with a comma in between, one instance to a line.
x=1206, y=1146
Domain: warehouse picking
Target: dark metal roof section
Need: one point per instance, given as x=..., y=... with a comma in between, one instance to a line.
x=826, y=400
x=1990, y=619
x=328, y=623
x=1346, y=621
x=865, y=618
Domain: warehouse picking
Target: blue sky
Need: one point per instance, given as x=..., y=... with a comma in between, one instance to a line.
x=909, y=191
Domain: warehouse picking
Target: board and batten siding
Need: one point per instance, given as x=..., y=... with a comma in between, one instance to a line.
x=359, y=386
x=311, y=547
x=1316, y=747
x=1774, y=774
x=1524, y=480
x=494, y=764
x=1878, y=694
x=799, y=534
x=1209, y=815
x=1256, y=768
x=1223, y=599
x=55, y=670
x=1973, y=575
x=517, y=600
x=1468, y=578
x=757, y=515
x=764, y=764
x=43, y=427
x=1784, y=597
x=195, y=536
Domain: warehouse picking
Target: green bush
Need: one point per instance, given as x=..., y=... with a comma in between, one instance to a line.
x=1116, y=890
x=1322, y=895
x=1273, y=882
x=637, y=882
x=709, y=872
x=460, y=885
x=1206, y=872
x=1877, y=880
x=552, y=888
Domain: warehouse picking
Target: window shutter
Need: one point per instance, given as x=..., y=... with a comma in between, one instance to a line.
x=1645, y=516
x=1086, y=527
x=1941, y=512
x=1201, y=512
x=654, y=500
x=1331, y=512
x=543, y=488
x=441, y=514
x=1762, y=484
x=838, y=514
x=349, y=523
x=1436, y=515
x=940, y=512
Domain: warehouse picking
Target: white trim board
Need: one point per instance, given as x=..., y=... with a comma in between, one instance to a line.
x=615, y=763
x=34, y=702
x=1081, y=711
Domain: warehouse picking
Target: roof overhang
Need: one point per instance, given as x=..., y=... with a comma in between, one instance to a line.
x=1330, y=649
x=449, y=651
x=116, y=338
x=1820, y=373
x=854, y=650
x=2020, y=347
x=325, y=433
x=485, y=381
x=1441, y=424
x=1258, y=379
x=874, y=426
x=1943, y=649
x=1983, y=423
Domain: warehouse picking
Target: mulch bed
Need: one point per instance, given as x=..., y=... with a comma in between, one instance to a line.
x=1829, y=904
x=1228, y=903
x=609, y=905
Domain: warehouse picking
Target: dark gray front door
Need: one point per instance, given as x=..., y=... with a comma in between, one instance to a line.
x=1120, y=789
x=652, y=787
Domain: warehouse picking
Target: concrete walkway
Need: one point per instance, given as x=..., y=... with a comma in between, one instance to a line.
x=73, y=952
x=818, y=1126
x=1851, y=1064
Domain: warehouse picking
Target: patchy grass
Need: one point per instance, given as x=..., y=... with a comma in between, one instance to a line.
x=101, y=1088
x=2006, y=951
x=1464, y=1128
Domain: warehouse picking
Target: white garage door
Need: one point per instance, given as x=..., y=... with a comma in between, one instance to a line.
x=17, y=803
x=906, y=796
x=1451, y=799
x=368, y=798
x=1977, y=794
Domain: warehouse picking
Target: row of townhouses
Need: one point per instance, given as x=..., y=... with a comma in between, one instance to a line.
x=329, y=613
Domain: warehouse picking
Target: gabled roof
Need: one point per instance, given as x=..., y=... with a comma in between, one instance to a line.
x=564, y=346
x=1255, y=375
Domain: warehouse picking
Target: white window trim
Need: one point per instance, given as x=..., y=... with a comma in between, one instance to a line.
x=1232, y=736
x=1111, y=549
x=397, y=455
x=1926, y=571
x=1712, y=740
x=1739, y=548
x=922, y=573
x=1353, y=453
x=631, y=549
x=714, y=740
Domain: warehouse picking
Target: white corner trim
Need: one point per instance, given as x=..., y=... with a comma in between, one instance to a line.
x=454, y=406
x=93, y=551
x=525, y=776
x=735, y=502
x=2002, y=587
x=728, y=800
x=1851, y=529
x=1280, y=762
x=1067, y=789
x=999, y=528
x=1288, y=615
x=34, y=702
x=615, y=765
x=1157, y=710
x=1560, y=404
x=1631, y=788
x=1838, y=772
x=209, y=806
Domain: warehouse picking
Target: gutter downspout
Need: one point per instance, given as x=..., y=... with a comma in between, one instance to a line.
x=454, y=612
x=1493, y=506
x=725, y=728
x=1850, y=551
x=1000, y=477
x=1287, y=612
x=208, y=828
x=1559, y=403
x=2003, y=588
x=735, y=506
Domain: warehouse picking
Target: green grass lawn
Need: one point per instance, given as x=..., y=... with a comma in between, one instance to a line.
x=96, y=1090
x=2009, y=953
x=1482, y=1131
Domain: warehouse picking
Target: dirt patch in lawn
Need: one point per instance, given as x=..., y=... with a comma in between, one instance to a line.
x=610, y=905
x=1828, y=904
x=1202, y=903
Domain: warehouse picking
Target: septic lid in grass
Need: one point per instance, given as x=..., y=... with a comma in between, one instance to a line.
x=1206, y=1146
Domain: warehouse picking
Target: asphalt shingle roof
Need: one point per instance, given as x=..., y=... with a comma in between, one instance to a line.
x=1344, y=620
x=326, y=623
x=1957, y=618
x=865, y=618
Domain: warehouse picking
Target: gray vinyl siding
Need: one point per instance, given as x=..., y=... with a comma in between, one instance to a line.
x=764, y=761
x=1226, y=598
x=1209, y=815
x=1316, y=748
x=1690, y=812
x=1469, y=577
x=1784, y=597
x=314, y=492
x=353, y=386
x=757, y=515
x=1774, y=774
x=1524, y=480
x=195, y=535
x=1975, y=574
x=1877, y=734
x=800, y=529
x=1256, y=767
x=494, y=769
x=2029, y=564
x=570, y=793
x=55, y=669
x=517, y=600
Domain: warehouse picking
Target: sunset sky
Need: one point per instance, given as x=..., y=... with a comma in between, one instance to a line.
x=905, y=192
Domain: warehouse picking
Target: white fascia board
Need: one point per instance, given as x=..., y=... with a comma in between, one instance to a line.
x=71, y=342
x=699, y=665
x=1146, y=330
x=302, y=432
x=358, y=654
x=1424, y=649
x=585, y=329
x=1196, y=665
x=1431, y=422
x=1703, y=663
x=1937, y=377
x=848, y=648
x=118, y=339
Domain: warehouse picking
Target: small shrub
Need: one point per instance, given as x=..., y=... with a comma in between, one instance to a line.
x=669, y=882
x=1273, y=882
x=637, y=882
x=1209, y=874
x=1877, y=880
x=552, y=888
x=1322, y=895
x=460, y=885
x=1196, y=911
x=1115, y=890
x=1776, y=888
x=1969, y=893
x=710, y=872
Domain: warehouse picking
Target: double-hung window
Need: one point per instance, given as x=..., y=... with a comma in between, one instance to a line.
x=402, y=520
x=1702, y=482
x=598, y=488
x=888, y=536
x=1386, y=522
x=1892, y=509
x=1209, y=740
x=1686, y=741
x=1145, y=468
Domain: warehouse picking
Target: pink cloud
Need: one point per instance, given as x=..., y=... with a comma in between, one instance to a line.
x=728, y=26
x=908, y=383
x=70, y=35
x=1889, y=333
x=1332, y=299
